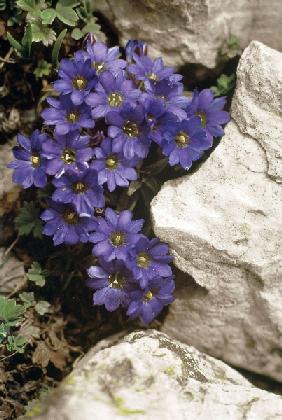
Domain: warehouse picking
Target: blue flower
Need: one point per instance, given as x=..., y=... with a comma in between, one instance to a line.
x=77, y=78
x=147, y=303
x=135, y=47
x=80, y=189
x=115, y=235
x=185, y=142
x=29, y=166
x=65, y=224
x=67, y=152
x=149, y=259
x=210, y=111
x=112, y=92
x=66, y=116
x=129, y=131
x=110, y=280
x=113, y=168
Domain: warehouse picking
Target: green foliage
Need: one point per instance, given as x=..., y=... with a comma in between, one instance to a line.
x=36, y=274
x=224, y=85
x=10, y=311
x=27, y=299
x=16, y=343
x=57, y=46
x=28, y=221
x=42, y=307
x=43, y=69
x=231, y=47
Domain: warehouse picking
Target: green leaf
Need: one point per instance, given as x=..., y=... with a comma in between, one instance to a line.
x=42, y=307
x=43, y=69
x=69, y=3
x=77, y=34
x=224, y=85
x=27, y=5
x=57, y=46
x=15, y=44
x=36, y=274
x=92, y=27
x=27, y=40
x=9, y=310
x=28, y=221
x=4, y=331
x=48, y=16
x=17, y=343
x=41, y=33
x=66, y=15
x=133, y=187
x=27, y=299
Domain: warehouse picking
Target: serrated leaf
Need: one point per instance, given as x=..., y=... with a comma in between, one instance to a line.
x=15, y=44
x=27, y=5
x=91, y=27
x=16, y=343
x=41, y=33
x=43, y=69
x=27, y=299
x=28, y=221
x=10, y=311
x=66, y=15
x=36, y=274
x=48, y=16
x=57, y=46
x=42, y=307
x=77, y=34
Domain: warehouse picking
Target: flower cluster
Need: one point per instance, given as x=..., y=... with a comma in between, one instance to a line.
x=106, y=115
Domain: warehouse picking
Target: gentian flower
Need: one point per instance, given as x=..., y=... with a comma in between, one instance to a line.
x=150, y=71
x=65, y=224
x=185, y=142
x=66, y=116
x=112, y=92
x=115, y=235
x=148, y=303
x=67, y=152
x=129, y=131
x=210, y=111
x=149, y=259
x=29, y=166
x=113, y=168
x=80, y=189
x=135, y=47
x=102, y=58
x=110, y=280
x=77, y=78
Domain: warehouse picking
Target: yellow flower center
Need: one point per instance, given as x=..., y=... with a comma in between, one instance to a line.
x=148, y=296
x=130, y=128
x=68, y=156
x=79, y=82
x=143, y=260
x=203, y=118
x=117, y=281
x=79, y=187
x=35, y=160
x=98, y=66
x=115, y=99
x=112, y=162
x=182, y=139
x=72, y=116
x=153, y=77
x=70, y=217
x=117, y=238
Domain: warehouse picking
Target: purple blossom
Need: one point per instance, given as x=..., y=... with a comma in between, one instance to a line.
x=112, y=92
x=67, y=152
x=80, y=189
x=116, y=234
x=147, y=304
x=66, y=116
x=65, y=224
x=110, y=280
x=185, y=142
x=77, y=78
x=135, y=47
x=149, y=259
x=129, y=131
x=29, y=166
x=210, y=111
x=113, y=168
x=101, y=57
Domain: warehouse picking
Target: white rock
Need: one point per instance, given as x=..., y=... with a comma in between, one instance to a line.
x=193, y=31
x=9, y=192
x=224, y=226
x=147, y=375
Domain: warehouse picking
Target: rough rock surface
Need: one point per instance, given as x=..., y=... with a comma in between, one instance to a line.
x=147, y=375
x=224, y=226
x=193, y=31
x=9, y=192
x=11, y=272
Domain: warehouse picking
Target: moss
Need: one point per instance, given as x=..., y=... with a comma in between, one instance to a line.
x=122, y=409
x=170, y=371
x=35, y=410
x=69, y=380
